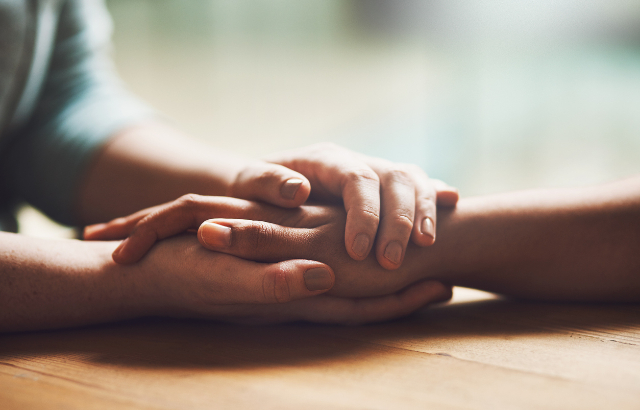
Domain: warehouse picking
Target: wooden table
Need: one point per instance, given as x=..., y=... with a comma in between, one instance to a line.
x=478, y=352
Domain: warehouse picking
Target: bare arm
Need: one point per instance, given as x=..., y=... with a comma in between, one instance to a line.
x=60, y=283
x=578, y=244
x=52, y=283
x=564, y=244
x=149, y=164
x=48, y=283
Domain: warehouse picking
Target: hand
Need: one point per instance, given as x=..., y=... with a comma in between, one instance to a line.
x=310, y=232
x=264, y=233
x=149, y=225
x=185, y=279
x=193, y=276
x=404, y=193
x=396, y=202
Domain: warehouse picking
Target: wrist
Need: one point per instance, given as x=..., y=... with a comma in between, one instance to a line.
x=459, y=248
x=132, y=292
x=60, y=283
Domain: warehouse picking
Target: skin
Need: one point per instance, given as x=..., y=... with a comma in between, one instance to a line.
x=564, y=245
x=44, y=281
x=151, y=163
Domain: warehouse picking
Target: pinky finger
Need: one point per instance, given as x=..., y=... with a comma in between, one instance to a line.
x=446, y=194
x=333, y=310
x=424, y=226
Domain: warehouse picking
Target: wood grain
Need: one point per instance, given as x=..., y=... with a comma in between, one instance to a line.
x=478, y=353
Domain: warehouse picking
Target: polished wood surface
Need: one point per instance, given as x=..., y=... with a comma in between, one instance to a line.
x=478, y=352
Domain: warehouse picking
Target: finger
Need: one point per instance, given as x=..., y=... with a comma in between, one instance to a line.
x=424, y=228
x=429, y=193
x=398, y=211
x=256, y=240
x=187, y=212
x=250, y=282
x=446, y=195
x=398, y=305
x=117, y=228
x=347, y=311
x=361, y=195
x=271, y=183
x=335, y=172
x=379, y=309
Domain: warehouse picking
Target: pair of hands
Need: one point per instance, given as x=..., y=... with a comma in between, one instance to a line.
x=387, y=206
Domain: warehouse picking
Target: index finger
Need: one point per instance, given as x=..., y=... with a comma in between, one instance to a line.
x=335, y=172
x=187, y=212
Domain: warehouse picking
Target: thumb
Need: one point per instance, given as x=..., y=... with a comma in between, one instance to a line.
x=272, y=183
x=290, y=280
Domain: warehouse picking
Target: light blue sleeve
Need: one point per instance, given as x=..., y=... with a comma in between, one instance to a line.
x=82, y=104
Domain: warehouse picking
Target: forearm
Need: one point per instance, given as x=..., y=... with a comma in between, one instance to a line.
x=578, y=244
x=149, y=164
x=58, y=283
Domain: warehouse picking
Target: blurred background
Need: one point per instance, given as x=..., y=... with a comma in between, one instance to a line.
x=488, y=95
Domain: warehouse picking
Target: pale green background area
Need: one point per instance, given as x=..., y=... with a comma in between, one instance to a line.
x=488, y=95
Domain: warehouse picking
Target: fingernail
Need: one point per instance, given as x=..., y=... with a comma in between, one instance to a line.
x=361, y=244
x=290, y=187
x=116, y=252
x=317, y=279
x=215, y=235
x=393, y=252
x=427, y=227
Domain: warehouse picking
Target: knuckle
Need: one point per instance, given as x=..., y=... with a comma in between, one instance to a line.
x=361, y=175
x=149, y=222
x=266, y=176
x=227, y=203
x=143, y=230
x=189, y=201
x=427, y=198
x=252, y=177
x=140, y=228
x=260, y=235
x=368, y=217
x=235, y=188
x=275, y=287
x=428, y=195
x=397, y=175
x=398, y=223
x=403, y=221
x=371, y=215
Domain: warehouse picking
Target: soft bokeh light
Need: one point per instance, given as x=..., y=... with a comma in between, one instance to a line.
x=489, y=95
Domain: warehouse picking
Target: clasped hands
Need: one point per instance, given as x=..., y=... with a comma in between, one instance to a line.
x=289, y=251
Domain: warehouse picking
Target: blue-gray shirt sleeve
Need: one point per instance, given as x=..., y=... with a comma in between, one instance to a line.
x=81, y=105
